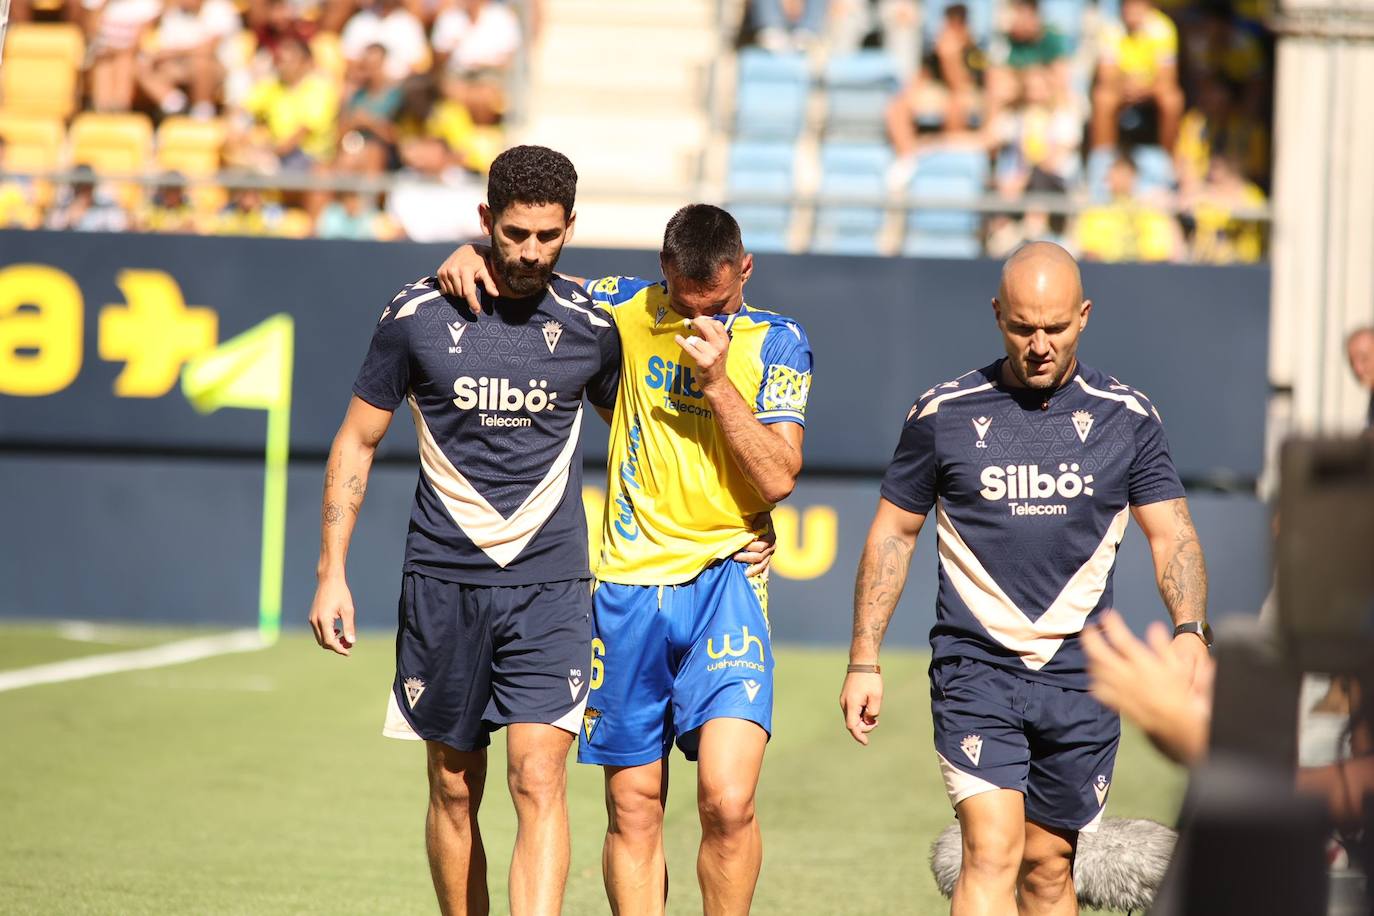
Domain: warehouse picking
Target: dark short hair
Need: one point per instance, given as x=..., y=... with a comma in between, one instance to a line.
x=531, y=175
x=957, y=12
x=699, y=239
x=1034, y=5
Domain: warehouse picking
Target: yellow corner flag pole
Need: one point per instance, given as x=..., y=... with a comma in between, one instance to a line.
x=253, y=371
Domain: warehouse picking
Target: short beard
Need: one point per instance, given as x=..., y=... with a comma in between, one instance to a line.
x=520, y=284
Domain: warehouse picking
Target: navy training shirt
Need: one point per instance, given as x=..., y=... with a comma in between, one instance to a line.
x=1031, y=492
x=497, y=404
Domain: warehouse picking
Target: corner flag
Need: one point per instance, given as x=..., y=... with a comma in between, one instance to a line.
x=253, y=371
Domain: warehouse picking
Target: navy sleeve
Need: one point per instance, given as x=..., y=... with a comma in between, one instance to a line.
x=1152, y=477
x=603, y=387
x=384, y=377
x=911, y=477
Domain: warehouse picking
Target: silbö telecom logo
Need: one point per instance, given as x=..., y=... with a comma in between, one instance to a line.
x=1022, y=482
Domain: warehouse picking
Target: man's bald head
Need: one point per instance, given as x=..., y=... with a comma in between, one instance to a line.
x=1041, y=311
x=1041, y=269
x=1359, y=346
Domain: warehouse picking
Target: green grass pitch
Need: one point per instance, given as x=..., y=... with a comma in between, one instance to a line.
x=259, y=783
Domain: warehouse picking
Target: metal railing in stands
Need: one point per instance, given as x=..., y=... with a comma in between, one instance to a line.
x=1054, y=204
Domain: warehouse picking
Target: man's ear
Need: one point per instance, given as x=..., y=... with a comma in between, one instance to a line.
x=996, y=310
x=568, y=229
x=1083, y=313
x=746, y=268
x=488, y=222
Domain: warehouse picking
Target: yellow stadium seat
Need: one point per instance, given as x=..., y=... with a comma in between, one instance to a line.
x=113, y=144
x=33, y=143
x=195, y=149
x=46, y=39
x=190, y=146
x=41, y=64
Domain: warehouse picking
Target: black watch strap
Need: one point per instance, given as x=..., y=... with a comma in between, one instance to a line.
x=1201, y=628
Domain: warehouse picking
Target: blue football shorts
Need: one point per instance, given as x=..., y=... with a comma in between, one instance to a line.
x=668, y=659
x=995, y=730
x=471, y=659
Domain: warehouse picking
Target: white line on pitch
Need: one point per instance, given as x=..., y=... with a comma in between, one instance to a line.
x=175, y=653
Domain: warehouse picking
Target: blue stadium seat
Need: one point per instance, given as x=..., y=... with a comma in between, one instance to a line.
x=956, y=174
x=770, y=100
x=848, y=171
x=1154, y=169
x=761, y=167
x=763, y=226
x=858, y=87
x=847, y=230
x=770, y=111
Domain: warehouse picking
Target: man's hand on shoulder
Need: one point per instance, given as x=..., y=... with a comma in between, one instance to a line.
x=333, y=602
x=461, y=273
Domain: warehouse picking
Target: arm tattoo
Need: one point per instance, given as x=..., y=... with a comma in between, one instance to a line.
x=882, y=574
x=355, y=486
x=330, y=475
x=333, y=514
x=1183, y=581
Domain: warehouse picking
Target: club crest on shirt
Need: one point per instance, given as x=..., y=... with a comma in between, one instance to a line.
x=658, y=316
x=591, y=718
x=413, y=687
x=552, y=331
x=1082, y=423
x=1100, y=789
x=972, y=746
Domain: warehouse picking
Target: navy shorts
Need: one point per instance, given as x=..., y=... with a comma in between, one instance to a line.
x=669, y=659
x=995, y=730
x=472, y=658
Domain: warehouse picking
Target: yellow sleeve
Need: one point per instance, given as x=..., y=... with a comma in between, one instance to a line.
x=323, y=106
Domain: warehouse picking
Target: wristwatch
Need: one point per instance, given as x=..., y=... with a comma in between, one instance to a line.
x=1201, y=628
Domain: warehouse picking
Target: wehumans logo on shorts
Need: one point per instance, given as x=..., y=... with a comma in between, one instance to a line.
x=1027, y=481
x=730, y=657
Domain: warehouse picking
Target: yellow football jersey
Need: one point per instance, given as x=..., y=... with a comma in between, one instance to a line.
x=676, y=499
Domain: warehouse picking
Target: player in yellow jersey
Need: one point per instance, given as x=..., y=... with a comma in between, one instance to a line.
x=706, y=438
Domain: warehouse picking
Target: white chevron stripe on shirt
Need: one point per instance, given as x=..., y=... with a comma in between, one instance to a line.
x=933, y=405
x=1130, y=400
x=1036, y=641
x=498, y=537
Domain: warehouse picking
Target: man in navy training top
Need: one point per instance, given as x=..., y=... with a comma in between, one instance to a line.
x=1033, y=466
x=495, y=612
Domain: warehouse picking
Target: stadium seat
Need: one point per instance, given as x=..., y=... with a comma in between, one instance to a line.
x=761, y=167
x=956, y=174
x=41, y=65
x=770, y=102
x=190, y=146
x=763, y=226
x=858, y=87
x=33, y=143
x=115, y=144
x=853, y=187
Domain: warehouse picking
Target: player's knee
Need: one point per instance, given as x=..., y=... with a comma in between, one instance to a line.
x=1048, y=879
x=635, y=814
x=726, y=810
x=991, y=858
x=537, y=781
x=452, y=791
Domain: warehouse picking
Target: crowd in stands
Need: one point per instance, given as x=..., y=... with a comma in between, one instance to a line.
x=1150, y=118
x=194, y=90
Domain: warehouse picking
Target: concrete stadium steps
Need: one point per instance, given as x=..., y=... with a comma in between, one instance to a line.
x=621, y=87
x=624, y=222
